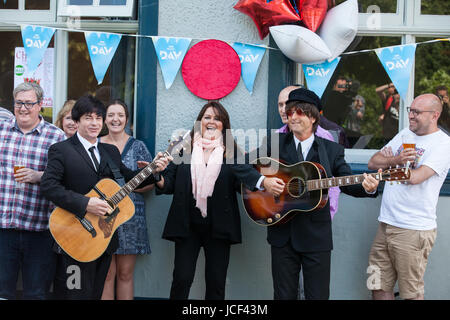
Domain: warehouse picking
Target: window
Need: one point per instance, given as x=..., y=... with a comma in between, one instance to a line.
x=432, y=74
x=27, y=10
x=8, y=68
x=96, y=8
x=118, y=81
x=356, y=98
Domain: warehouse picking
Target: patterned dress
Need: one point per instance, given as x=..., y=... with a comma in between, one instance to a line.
x=133, y=237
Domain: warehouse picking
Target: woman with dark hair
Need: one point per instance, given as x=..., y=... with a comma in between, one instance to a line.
x=204, y=210
x=133, y=237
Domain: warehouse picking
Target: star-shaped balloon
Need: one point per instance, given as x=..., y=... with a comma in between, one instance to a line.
x=313, y=12
x=266, y=14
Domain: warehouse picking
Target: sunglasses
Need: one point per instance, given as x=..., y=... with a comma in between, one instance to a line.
x=299, y=112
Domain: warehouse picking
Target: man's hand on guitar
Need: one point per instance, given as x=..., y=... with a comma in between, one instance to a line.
x=97, y=206
x=370, y=184
x=274, y=185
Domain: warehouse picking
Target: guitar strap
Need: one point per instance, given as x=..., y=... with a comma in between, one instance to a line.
x=116, y=171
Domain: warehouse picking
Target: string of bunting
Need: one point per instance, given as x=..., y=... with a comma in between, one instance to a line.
x=171, y=51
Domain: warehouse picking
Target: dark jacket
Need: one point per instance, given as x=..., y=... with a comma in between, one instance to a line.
x=311, y=231
x=223, y=210
x=70, y=174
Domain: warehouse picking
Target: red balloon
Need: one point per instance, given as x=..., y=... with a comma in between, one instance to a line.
x=265, y=14
x=313, y=12
x=211, y=69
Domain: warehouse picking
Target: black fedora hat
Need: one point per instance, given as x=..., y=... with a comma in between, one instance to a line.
x=305, y=95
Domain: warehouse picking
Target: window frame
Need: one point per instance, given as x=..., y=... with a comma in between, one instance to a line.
x=96, y=10
x=407, y=23
x=22, y=15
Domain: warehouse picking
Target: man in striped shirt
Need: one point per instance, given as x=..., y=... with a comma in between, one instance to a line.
x=25, y=241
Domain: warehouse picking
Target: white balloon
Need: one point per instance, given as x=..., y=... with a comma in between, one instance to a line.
x=339, y=27
x=300, y=44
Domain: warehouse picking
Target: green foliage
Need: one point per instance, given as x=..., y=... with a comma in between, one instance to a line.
x=428, y=85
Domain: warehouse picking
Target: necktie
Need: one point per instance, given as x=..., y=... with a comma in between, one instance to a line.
x=299, y=152
x=91, y=150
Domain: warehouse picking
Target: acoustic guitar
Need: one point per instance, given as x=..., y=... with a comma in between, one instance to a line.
x=86, y=239
x=306, y=189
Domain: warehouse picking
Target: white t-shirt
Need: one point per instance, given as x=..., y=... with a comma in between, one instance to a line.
x=414, y=206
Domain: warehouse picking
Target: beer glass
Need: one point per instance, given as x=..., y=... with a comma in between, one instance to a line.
x=408, y=141
x=19, y=164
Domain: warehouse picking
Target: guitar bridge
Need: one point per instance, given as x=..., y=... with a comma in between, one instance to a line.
x=112, y=215
x=88, y=226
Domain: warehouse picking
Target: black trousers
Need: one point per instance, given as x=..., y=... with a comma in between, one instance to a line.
x=286, y=266
x=217, y=256
x=76, y=280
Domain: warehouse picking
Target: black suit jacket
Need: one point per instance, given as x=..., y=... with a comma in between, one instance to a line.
x=70, y=174
x=311, y=231
x=223, y=208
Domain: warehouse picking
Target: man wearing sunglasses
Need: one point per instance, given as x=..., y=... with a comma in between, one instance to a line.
x=407, y=228
x=25, y=241
x=305, y=241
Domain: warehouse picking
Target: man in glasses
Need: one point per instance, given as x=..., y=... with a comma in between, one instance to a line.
x=407, y=229
x=305, y=241
x=25, y=241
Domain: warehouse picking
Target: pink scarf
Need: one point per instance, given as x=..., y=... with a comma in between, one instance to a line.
x=204, y=176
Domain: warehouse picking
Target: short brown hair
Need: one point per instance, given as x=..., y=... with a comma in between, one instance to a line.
x=309, y=109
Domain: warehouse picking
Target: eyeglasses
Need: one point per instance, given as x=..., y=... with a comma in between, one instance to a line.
x=291, y=112
x=416, y=112
x=27, y=105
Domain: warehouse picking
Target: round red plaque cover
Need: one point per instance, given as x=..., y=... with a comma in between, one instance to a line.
x=211, y=69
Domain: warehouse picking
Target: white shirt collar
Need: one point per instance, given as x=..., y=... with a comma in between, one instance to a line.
x=306, y=144
x=86, y=144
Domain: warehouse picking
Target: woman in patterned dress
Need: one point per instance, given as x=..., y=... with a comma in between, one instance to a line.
x=133, y=237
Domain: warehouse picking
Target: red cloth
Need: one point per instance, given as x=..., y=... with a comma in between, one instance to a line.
x=211, y=69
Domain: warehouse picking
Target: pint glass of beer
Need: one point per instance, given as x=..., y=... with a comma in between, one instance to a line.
x=17, y=166
x=408, y=141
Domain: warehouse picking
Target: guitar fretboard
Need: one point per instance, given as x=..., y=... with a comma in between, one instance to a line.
x=339, y=181
x=133, y=183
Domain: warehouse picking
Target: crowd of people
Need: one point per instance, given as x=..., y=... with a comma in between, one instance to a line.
x=60, y=164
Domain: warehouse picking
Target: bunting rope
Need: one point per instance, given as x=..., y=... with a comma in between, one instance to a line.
x=416, y=43
x=201, y=39
x=172, y=50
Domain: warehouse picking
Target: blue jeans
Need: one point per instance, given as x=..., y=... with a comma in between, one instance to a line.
x=31, y=252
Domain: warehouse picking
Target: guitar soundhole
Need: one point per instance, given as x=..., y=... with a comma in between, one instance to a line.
x=296, y=187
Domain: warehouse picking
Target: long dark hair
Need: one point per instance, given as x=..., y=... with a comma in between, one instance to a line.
x=223, y=116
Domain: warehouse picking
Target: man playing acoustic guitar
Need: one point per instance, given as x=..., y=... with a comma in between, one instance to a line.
x=74, y=168
x=305, y=241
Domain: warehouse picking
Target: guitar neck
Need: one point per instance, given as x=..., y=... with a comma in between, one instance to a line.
x=133, y=183
x=318, y=184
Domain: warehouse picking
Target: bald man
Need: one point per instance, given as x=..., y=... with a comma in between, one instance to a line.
x=407, y=229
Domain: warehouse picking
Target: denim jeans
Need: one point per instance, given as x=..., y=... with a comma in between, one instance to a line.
x=31, y=252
